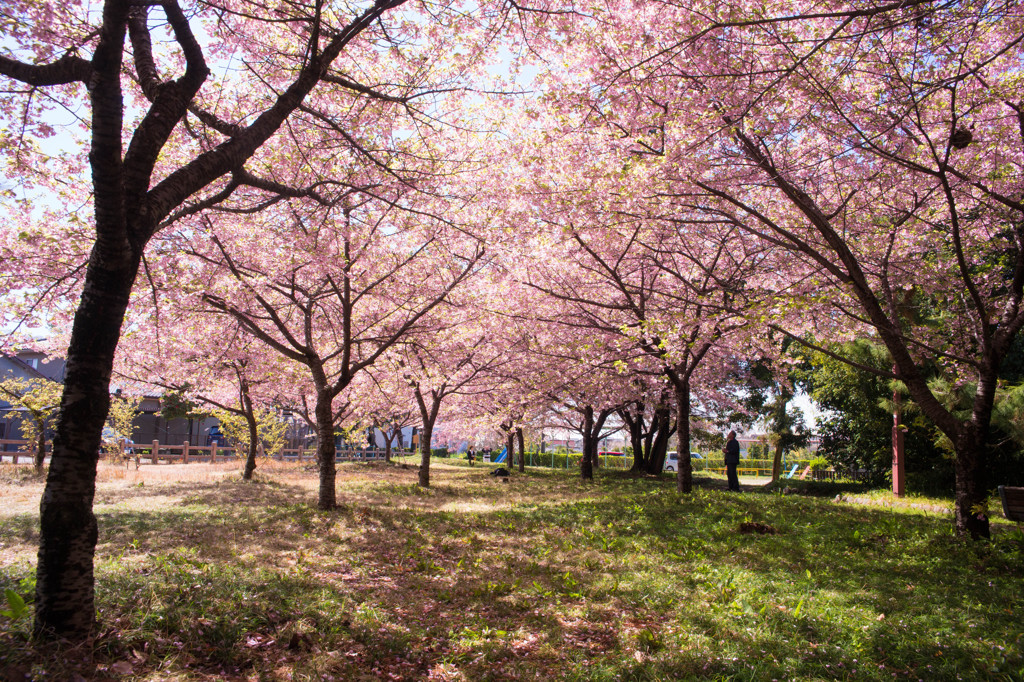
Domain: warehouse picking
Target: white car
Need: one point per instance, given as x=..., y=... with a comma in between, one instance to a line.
x=672, y=460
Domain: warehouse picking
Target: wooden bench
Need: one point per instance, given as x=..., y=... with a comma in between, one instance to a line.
x=1013, y=502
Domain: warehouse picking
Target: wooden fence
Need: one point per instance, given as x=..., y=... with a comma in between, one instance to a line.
x=15, y=451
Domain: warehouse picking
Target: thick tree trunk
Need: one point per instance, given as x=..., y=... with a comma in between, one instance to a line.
x=777, y=461
x=522, y=449
x=387, y=448
x=635, y=427
x=326, y=452
x=428, y=415
x=254, y=436
x=510, y=447
x=684, y=476
x=250, y=420
x=662, y=428
x=587, y=462
x=426, y=435
x=64, y=605
x=40, y=454
x=971, y=494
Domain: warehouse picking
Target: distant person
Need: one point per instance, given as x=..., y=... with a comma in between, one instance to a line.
x=732, y=460
x=471, y=456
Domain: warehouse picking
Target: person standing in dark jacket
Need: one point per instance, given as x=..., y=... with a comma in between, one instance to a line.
x=732, y=460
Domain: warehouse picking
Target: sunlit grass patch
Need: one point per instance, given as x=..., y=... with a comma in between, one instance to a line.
x=622, y=578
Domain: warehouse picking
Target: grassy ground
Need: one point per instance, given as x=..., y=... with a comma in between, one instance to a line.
x=201, y=576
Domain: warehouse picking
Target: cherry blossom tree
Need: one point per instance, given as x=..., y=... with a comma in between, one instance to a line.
x=170, y=140
x=352, y=284
x=877, y=144
x=881, y=147
x=192, y=354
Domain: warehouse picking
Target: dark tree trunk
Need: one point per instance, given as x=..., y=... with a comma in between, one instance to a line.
x=428, y=414
x=426, y=435
x=970, y=495
x=684, y=476
x=326, y=452
x=387, y=446
x=254, y=436
x=250, y=420
x=587, y=462
x=64, y=603
x=635, y=425
x=40, y=455
x=662, y=431
x=522, y=449
x=777, y=461
x=510, y=447
x=593, y=424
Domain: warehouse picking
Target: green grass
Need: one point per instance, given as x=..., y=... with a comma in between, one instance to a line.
x=619, y=579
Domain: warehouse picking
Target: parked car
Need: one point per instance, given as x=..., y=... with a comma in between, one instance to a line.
x=216, y=437
x=111, y=441
x=672, y=459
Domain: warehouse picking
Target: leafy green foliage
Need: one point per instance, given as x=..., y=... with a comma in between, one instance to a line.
x=856, y=427
x=123, y=411
x=39, y=399
x=270, y=429
x=16, y=607
x=174, y=405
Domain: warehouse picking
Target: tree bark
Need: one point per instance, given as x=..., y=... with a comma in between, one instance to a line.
x=970, y=517
x=65, y=605
x=326, y=452
x=684, y=475
x=777, y=461
x=250, y=420
x=635, y=426
x=586, y=462
x=426, y=435
x=40, y=455
x=250, y=457
x=522, y=449
x=510, y=446
x=662, y=429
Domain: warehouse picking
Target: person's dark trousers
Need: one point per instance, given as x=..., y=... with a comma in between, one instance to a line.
x=734, y=479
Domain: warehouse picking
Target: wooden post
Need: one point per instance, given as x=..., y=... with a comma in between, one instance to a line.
x=155, y=456
x=184, y=452
x=213, y=452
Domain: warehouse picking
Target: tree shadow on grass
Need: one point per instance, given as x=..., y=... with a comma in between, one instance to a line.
x=537, y=576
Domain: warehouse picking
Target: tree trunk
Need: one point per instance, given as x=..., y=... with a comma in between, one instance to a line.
x=586, y=462
x=684, y=475
x=40, y=456
x=250, y=420
x=510, y=447
x=254, y=437
x=636, y=437
x=64, y=604
x=662, y=429
x=428, y=415
x=387, y=447
x=971, y=495
x=522, y=449
x=426, y=435
x=326, y=452
x=777, y=461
